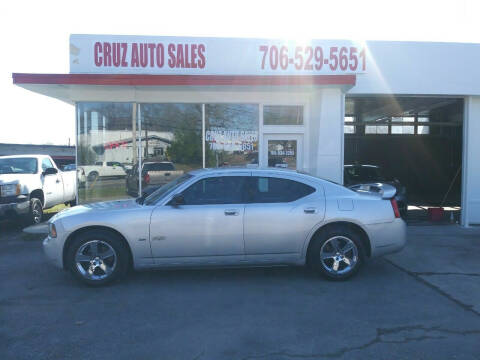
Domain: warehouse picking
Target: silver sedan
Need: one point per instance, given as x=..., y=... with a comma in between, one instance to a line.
x=229, y=217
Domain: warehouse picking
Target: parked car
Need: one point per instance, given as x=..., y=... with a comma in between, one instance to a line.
x=154, y=174
x=31, y=183
x=356, y=175
x=104, y=169
x=229, y=217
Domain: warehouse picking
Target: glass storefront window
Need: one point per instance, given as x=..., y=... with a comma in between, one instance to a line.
x=231, y=135
x=105, y=149
x=171, y=140
x=131, y=149
x=283, y=115
x=282, y=154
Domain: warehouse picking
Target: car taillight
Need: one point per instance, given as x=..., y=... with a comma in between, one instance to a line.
x=146, y=179
x=395, y=207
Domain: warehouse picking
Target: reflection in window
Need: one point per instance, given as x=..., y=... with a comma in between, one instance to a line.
x=105, y=150
x=172, y=133
x=231, y=134
x=282, y=154
x=282, y=115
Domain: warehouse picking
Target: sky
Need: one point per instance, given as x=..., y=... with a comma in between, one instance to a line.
x=34, y=38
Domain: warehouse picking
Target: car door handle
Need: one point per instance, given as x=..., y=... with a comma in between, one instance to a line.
x=231, y=212
x=58, y=181
x=310, y=210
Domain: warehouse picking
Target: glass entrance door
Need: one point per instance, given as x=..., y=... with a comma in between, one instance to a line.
x=282, y=151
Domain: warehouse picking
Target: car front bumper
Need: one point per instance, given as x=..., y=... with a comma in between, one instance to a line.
x=14, y=206
x=53, y=251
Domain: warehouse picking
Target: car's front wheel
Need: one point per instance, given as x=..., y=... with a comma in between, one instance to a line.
x=35, y=213
x=97, y=257
x=336, y=253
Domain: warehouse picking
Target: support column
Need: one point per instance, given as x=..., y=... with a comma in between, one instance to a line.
x=327, y=138
x=471, y=162
x=134, y=134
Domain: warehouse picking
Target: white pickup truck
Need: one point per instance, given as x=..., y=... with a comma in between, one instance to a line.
x=106, y=169
x=31, y=183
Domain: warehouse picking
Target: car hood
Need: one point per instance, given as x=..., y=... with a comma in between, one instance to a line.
x=99, y=207
x=15, y=178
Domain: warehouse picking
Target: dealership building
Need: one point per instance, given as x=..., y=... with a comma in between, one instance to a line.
x=411, y=108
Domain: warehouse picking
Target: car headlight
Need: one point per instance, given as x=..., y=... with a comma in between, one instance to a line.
x=52, y=230
x=10, y=190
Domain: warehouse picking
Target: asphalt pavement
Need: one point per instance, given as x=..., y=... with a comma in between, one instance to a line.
x=422, y=303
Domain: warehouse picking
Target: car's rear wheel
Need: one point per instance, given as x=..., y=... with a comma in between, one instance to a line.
x=97, y=257
x=336, y=253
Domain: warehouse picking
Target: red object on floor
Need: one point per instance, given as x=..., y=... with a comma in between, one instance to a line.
x=435, y=214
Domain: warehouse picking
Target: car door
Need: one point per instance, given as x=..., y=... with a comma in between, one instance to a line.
x=52, y=185
x=207, y=229
x=279, y=215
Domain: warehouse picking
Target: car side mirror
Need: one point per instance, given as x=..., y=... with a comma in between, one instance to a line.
x=177, y=200
x=50, y=171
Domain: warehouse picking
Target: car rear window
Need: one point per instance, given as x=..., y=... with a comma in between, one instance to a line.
x=277, y=190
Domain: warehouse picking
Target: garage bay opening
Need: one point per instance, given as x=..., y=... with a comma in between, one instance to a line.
x=415, y=143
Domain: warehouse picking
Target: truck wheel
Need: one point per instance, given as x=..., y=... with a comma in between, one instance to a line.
x=72, y=203
x=92, y=176
x=35, y=214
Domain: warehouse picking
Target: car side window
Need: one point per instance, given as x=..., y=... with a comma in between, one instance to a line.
x=216, y=190
x=276, y=190
x=46, y=163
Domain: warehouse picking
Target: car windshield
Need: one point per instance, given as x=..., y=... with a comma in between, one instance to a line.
x=18, y=166
x=356, y=174
x=165, y=189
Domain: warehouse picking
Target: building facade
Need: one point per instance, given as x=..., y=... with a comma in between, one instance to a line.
x=411, y=108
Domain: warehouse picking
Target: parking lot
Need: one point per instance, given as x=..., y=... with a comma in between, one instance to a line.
x=422, y=303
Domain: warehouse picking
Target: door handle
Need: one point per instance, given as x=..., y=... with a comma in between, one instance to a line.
x=58, y=181
x=231, y=212
x=310, y=210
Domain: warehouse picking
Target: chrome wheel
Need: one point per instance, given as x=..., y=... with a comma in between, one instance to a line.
x=37, y=212
x=339, y=255
x=95, y=260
